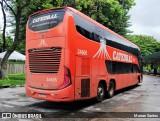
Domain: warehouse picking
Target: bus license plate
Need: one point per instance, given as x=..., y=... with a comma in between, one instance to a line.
x=42, y=95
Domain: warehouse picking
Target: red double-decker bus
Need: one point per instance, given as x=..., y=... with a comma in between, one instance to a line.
x=69, y=56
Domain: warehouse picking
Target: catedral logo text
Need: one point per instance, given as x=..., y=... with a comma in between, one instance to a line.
x=44, y=18
x=122, y=57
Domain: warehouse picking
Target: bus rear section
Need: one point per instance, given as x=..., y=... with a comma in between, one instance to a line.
x=47, y=75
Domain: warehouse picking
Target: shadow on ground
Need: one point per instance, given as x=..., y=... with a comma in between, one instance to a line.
x=76, y=105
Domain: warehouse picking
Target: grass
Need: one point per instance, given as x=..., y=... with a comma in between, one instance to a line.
x=13, y=80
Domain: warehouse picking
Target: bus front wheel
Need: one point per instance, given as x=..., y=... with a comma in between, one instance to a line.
x=111, y=89
x=100, y=92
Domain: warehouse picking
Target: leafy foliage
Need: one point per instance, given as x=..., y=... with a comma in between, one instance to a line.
x=147, y=44
x=9, y=41
x=110, y=13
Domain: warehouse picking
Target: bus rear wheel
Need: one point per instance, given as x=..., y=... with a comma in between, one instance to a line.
x=111, y=89
x=100, y=92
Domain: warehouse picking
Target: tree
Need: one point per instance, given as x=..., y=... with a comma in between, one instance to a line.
x=4, y=25
x=16, y=8
x=111, y=13
x=34, y=6
x=147, y=44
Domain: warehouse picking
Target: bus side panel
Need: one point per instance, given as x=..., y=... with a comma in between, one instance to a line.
x=70, y=59
x=119, y=80
x=102, y=73
x=70, y=63
x=95, y=77
x=131, y=79
x=134, y=78
x=123, y=80
x=71, y=33
x=102, y=65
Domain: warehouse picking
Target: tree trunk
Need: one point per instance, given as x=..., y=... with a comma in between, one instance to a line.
x=4, y=68
x=3, y=71
x=4, y=27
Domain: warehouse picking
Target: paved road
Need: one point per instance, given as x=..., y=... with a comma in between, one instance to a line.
x=144, y=98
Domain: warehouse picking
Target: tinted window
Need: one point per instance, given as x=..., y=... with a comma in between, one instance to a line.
x=121, y=68
x=87, y=29
x=129, y=49
x=85, y=32
x=93, y=32
x=45, y=21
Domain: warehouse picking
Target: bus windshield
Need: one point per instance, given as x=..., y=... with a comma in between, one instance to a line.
x=46, y=20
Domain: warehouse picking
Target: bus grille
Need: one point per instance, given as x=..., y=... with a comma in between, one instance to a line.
x=44, y=60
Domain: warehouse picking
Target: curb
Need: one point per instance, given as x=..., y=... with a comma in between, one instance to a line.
x=152, y=74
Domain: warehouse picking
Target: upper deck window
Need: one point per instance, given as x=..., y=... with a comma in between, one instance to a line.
x=46, y=20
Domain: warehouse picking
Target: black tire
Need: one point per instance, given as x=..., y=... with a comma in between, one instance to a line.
x=100, y=92
x=111, y=90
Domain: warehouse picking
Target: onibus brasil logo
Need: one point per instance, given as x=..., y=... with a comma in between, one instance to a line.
x=102, y=52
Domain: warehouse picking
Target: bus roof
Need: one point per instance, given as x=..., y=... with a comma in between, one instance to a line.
x=100, y=25
x=89, y=19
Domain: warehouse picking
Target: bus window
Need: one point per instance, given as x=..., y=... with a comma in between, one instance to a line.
x=45, y=21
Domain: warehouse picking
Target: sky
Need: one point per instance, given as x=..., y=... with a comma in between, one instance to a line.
x=145, y=18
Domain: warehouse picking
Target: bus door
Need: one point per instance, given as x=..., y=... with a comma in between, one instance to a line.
x=83, y=77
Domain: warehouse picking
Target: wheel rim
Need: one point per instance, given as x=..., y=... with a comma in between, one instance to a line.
x=100, y=92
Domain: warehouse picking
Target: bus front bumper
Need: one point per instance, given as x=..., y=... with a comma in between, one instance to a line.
x=63, y=95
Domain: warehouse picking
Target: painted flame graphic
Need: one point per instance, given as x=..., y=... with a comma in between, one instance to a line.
x=102, y=52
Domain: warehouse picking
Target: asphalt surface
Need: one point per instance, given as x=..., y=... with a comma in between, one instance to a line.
x=142, y=98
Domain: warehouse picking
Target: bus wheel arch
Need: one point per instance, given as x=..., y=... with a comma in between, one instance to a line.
x=101, y=89
x=111, y=88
